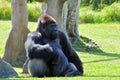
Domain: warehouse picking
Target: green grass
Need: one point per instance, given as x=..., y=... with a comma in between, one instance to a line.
x=105, y=61
x=99, y=64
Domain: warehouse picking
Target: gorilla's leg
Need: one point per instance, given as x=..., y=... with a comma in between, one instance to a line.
x=72, y=70
x=38, y=68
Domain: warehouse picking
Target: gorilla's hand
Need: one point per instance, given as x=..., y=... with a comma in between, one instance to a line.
x=44, y=52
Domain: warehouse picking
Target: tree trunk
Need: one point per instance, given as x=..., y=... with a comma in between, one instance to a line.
x=70, y=19
x=44, y=8
x=54, y=9
x=14, y=49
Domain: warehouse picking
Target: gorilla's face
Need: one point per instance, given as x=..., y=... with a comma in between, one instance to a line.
x=50, y=31
x=47, y=26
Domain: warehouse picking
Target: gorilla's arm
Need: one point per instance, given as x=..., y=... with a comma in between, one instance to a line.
x=37, y=51
x=70, y=52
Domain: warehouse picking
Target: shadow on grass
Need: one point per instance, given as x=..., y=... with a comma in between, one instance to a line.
x=101, y=60
x=88, y=46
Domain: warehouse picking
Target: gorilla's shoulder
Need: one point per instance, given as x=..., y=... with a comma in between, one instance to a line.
x=61, y=34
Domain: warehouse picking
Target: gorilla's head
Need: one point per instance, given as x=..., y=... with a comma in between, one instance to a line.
x=35, y=36
x=47, y=27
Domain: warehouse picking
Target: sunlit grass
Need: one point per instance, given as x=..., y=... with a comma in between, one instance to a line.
x=99, y=64
x=106, y=35
x=105, y=62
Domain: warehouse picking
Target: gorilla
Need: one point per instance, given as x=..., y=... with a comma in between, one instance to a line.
x=49, y=52
x=38, y=55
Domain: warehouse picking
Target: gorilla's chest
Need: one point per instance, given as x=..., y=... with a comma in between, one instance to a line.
x=55, y=44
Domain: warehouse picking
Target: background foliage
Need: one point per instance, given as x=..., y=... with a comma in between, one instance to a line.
x=99, y=11
x=91, y=11
x=34, y=9
x=107, y=14
x=97, y=4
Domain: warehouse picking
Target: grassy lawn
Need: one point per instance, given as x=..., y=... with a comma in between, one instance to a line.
x=99, y=64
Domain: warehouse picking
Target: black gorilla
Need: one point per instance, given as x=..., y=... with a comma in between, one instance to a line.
x=50, y=52
x=48, y=59
x=46, y=20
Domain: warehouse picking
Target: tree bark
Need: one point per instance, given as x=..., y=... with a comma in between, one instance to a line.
x=54, y=9
x=70, y=19
x=14, y=49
